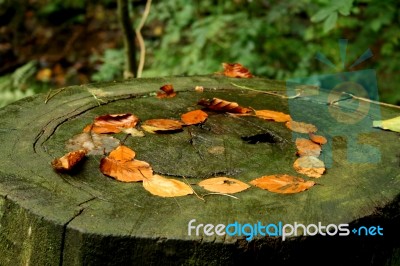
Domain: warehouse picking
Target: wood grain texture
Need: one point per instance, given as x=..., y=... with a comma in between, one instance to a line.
x=86, y=218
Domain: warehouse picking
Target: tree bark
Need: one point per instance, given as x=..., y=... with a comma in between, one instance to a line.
x=129, y=38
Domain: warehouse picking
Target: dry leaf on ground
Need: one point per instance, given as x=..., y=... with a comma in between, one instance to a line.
x=194, y=117
x=94, y=144
x=167, y=92
x=121, y=165
x=166, y=187
x=301, y=127
x=272, y=115
x=284, y=184
x=223, y=185
x=69, y=160
x=306, y=147
x=161, y=125
x=392, y=124
x=318, y=139
x=217, y=104
x=236, y=70
x=112, y=123
x=310, y=166
x=133, y=132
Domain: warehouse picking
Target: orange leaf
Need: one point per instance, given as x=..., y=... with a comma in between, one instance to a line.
x=194, y=117
x=283, y=184
x=318, y=139
x=161, y=125
x=121, y=166
x=236, y=70
x=273, y=115
x=217, y=104
x=223, y=185
x=68, y=161
x=112, y=123
x=310, y=166
x=167, y=91
x=306, y=147
x=165, y=187
x=122, y=154
x=301, y=127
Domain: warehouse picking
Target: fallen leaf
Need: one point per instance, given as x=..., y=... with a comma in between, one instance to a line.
x=392, y=124
x=112, y=123
x=223, y=185
x=194, y=117
x=217, y=104
x=133, y=132
x=165, y=187
x=306, y=147
x=167, y=92
x=284, y=184
x=121, y=165
x=301, y=127
x=161, y=125
x=272, y=115
x=122, y=154
x=68, y=161
x=310, y=166
x=236, y=70
x=318, y=139
x=94, y=144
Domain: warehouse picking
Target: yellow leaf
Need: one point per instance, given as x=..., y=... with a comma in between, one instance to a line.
x=392, y=124
x=272, y=115
x=161, y=125
x=165, y=187
x=223, y=185
x=301, y=127
x=310, y=166
x=284, y=184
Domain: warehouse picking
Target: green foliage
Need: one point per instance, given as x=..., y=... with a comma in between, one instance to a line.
x=111, y=67
x=275, y=39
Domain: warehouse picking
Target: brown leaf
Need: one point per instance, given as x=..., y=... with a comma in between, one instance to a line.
x=94, y=144
x=272, y=115
x=284, y=184
x=161, y=125
x=194, y=117
x=236, y=70
x=217, y=104
x=310, y=166
x=167, y=92
x=223, y=185
x=306, y=147
x=301, y=127
x=166, y=187
x=318, y=139
x=69, y=160
x=121, y=165
x=112, y=123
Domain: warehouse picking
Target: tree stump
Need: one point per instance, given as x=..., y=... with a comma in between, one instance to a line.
x=86, y=218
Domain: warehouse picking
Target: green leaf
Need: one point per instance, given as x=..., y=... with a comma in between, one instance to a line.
x=345, y=7
x=322, y=14
x=330, y=22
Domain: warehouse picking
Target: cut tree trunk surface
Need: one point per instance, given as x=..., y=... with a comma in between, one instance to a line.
x=86, y=218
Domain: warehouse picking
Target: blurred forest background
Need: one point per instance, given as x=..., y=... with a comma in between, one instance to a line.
x=47, y=44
